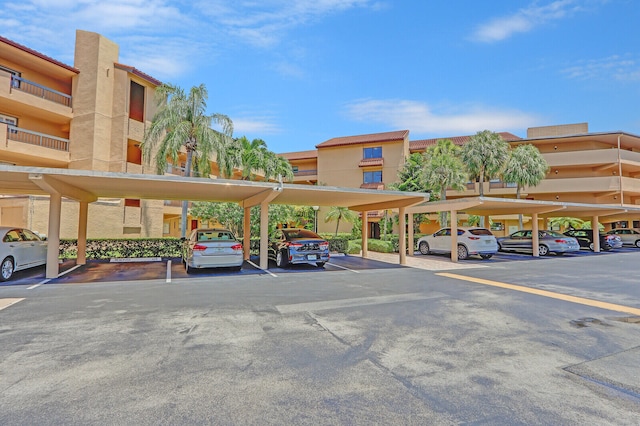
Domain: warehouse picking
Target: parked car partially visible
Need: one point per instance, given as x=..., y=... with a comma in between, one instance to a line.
x=20, y=249
x=548, y=242
x=471, y=241
x=629, y=237
x=585, y=238
x=292, y=246
x=212, y=248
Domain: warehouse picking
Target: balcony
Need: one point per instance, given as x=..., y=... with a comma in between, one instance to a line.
x=35, y=89
x=17, y=134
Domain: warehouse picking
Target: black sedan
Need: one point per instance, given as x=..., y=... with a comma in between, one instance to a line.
x=295, y=246
x=585, y=238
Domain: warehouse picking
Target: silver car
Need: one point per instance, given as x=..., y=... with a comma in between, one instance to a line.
x=20, y=249
x=629, y=237
x=548, y=242
x=212, y=248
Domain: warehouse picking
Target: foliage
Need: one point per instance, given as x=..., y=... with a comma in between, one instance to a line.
x=338, y=245
x=354, y=247
x=525, y=167
x=411, y=176
x=380, y=246
x=338, y=214
x=123, y=248
x=356, y=230
x=484, y=156
x=567, y=222
x=443, y=170
x=587, y=225
x=253, y=156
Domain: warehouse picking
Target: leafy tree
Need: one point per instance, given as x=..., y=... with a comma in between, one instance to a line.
x=338, y=214
x=484, y=155
x=411, y=178
x=277, y=167
x=181, y=123
x=443, y=169
x=565, y=222
x=525, y=167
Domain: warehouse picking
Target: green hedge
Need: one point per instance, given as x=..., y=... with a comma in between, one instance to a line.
x=123, y=248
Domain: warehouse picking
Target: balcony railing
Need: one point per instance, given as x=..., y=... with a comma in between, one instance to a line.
x=35, y=89
x=305, y=173
x=34, y=138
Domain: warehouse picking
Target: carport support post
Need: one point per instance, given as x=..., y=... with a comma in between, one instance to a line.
x=82, y=233
x=403, y=235
x=535, y=241
x=246, y=239
x=411, y=243
x=53, y=237
x=596, y=234
x=365, y=234
x=454, y=235
x=264, y=235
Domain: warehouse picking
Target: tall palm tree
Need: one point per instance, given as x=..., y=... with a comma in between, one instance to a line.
x=338, y=214
x=181, y=123
x=525, y=167
x=277, y=167
x=443, y=169
x=484, y=155
x=252, y=156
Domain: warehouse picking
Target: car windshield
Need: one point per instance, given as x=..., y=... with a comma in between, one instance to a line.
x=480, y=231
x=214, y=235
x=299, y=233
x=554, y=234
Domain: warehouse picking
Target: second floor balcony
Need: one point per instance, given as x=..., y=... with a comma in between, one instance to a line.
x=18, y=134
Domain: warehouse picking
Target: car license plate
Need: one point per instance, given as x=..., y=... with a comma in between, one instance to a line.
x=312, y=257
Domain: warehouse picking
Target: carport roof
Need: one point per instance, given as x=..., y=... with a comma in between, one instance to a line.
x=85, y=185
x=491, y=206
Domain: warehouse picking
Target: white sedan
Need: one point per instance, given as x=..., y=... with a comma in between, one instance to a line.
x=20, y=249
x=212, y=248
x=472, y=240
x=629, y=237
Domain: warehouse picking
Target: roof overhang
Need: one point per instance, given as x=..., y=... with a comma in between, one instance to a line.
x=88, y=186
x=490, y=206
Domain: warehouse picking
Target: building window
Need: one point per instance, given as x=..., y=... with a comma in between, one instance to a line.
x=373, y=177
x=136, y=102
x=294, y=169
x=11, y=121
x=129, y=202
x=374, y=152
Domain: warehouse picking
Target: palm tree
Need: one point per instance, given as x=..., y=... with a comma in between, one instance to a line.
x=277, y=167
x=565, y=222
x=181, y=123
x=252, y=156
x=443, y=169
x=525, y=167
x=338, y=214
x=411, y=175
x=484, y=155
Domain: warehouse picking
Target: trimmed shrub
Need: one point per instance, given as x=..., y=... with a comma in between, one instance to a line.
x=123, y=248
x=380, y=246
x=354, y=247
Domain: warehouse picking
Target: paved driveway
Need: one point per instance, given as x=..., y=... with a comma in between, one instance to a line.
x=381, y=345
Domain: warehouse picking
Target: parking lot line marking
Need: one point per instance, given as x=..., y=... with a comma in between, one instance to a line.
x=49, y=279
x=169, y=271
x=265, y=270
x=5, y=303
x=546, y=293
x=342, y=267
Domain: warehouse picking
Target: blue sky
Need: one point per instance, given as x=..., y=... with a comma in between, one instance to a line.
x=298, y=72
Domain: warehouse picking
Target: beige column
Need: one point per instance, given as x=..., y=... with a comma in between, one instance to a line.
x=264, y=235
x=411, y=242
x=596, y=234
x=53, y=237
x=403, y=235
x=82, y=233
x=246, y=239
x=365, y=234
x=454, y=235
x=535, y=241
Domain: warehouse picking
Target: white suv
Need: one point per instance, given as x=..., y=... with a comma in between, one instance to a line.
x=472, y=240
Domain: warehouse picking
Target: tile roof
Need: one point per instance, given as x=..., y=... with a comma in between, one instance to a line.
x=422, y=144
x=360, y=139
x=38, y=54
x=135, y=71
x=300, y=155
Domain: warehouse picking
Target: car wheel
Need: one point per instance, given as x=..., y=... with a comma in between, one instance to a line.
x=423, y=247
x=543, y=250
x=320, y=264
x=463, y=253
x=592, y=247
x=6, y=269
x=281, y=259
x=637, y=243
x=500, y=247
x=486, y=256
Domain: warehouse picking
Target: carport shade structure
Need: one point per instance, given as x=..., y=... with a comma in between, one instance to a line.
x=491, y=206
x=88, y=186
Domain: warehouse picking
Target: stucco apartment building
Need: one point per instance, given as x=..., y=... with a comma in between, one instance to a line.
x=595, y=168
x=89, y=116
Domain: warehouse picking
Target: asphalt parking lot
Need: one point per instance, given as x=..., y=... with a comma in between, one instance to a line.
x=365, y=343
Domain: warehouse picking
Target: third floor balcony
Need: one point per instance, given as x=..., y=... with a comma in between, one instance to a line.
x=19, y=96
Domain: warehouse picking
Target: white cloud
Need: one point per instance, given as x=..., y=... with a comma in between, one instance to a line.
x=254, y=125
x=621, y=68
x=527, y=19
x=421, y=120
